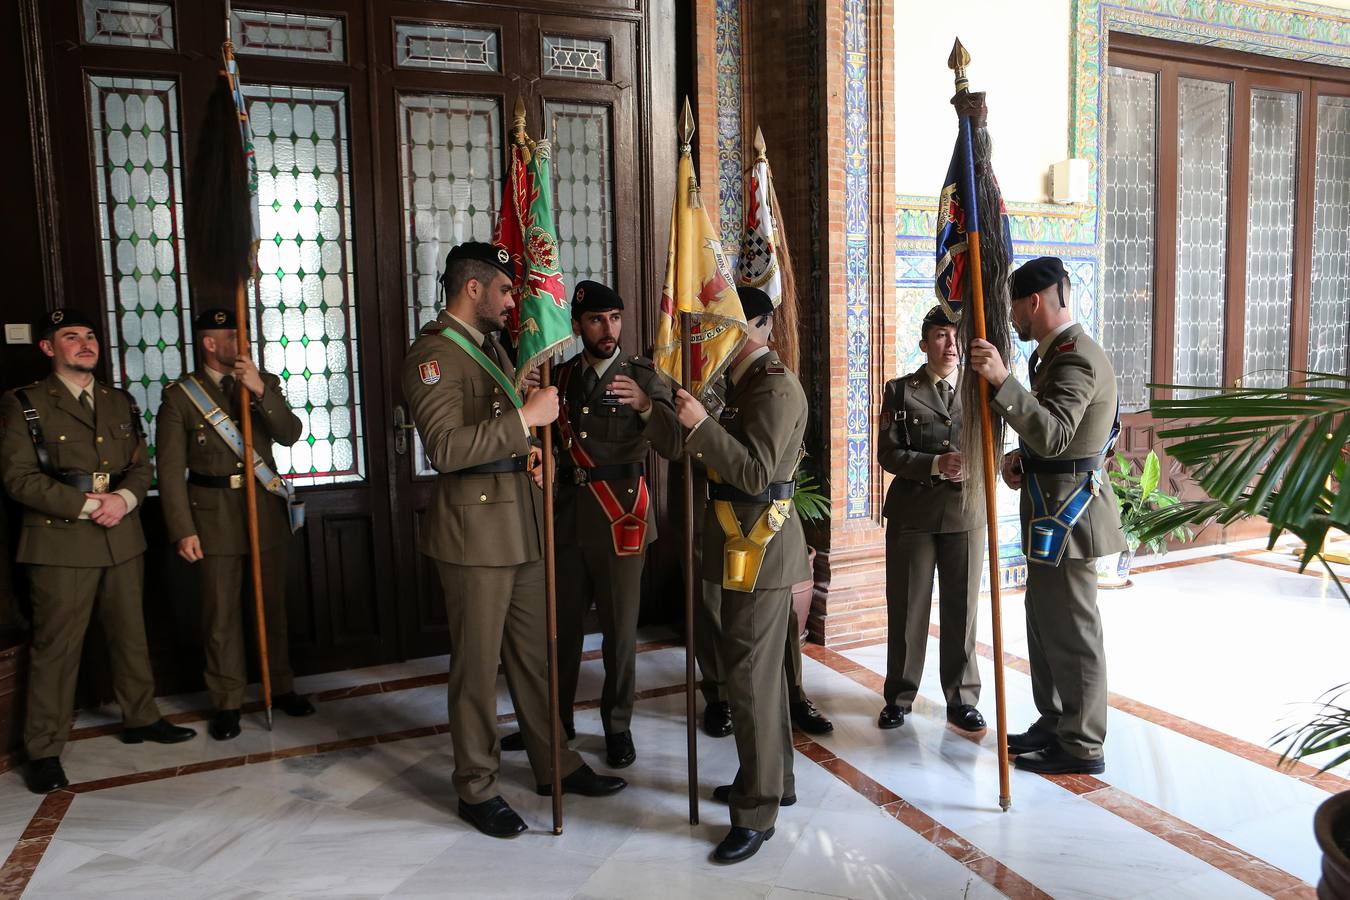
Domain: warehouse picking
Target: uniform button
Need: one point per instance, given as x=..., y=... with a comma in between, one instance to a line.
x=583, y=434
x=1009, y=408
x=103, y=462
x=630, y=490
x=585, y=410
x=699, y=455
x=513, y=456
x=946, y=443
x=49, y=521
x=99, y=439
x=238, y=465
x=482, y=498
x=949, y=423
x=61, y=438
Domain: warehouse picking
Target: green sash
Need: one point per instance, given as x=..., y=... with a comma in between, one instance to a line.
x=488, y=365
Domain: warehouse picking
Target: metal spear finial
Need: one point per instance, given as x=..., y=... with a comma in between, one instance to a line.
x=686, y=127
x=957, y=62
x=761, y=150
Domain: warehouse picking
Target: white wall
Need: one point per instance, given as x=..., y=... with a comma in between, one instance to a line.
x=1019, y=56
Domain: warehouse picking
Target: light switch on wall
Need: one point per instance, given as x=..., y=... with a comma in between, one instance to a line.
x=20, y=333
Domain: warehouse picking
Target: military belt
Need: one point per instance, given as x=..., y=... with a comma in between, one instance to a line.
x=1033, y=466
x=514, y=464
x=232, y=482
x=778, y=490
x=581, y=475
x=91, y=482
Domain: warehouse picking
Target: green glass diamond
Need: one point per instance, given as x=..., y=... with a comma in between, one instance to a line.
x=304, y=341
x=310, y=439
x=284, y=340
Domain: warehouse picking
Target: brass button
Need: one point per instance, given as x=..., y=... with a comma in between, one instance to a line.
x=238, y=465
x=583, y=434
x=103, y=462
x=630, y=490
x=49, y=521
x=513, y=455
x=946, y=443
x=699, y=455
x=482, y=498
x=585, y=410
x=949, y=423
x=99, y=439
x=61, y=438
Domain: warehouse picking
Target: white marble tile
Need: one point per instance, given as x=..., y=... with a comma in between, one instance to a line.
x=110, y=876
x=478, y=866
x=1212, y=885
x=106, y=820
x=17, y=805
x=58, y=860
x=619, y=880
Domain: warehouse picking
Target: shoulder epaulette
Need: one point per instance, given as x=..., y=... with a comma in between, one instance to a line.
x=1066, y=347
x=775, y=368
x=642, y=362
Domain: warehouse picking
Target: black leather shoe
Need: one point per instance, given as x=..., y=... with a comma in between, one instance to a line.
x=586, y=782
x=293, y=704
x=45, y=775
x=739, y=844
x=1033, y=739
x=722, y=794
x=494, y=817
x=966, y=717
x=892, y=716
x=515, y=741
x=1055, y=760
x=619, y=750
x=806, y=717
x=224, y=724
x=160, y=732
x=717, y=719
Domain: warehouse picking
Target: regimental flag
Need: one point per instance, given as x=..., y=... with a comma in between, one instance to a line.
x=509, y=231
x=698, y=281
x=958, y=216
x=246, y=139
x=759, y=262
x=545, y=316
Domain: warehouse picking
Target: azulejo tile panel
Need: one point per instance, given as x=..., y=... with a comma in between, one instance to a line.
x=730, y=199
x=858, y=222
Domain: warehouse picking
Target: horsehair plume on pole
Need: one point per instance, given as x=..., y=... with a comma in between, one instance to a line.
x=772, y=266
x=979, y=189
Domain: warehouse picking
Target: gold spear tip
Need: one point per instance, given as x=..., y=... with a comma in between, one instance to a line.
x=520, y=112
x=686, y=123
x=959, y=58
x=761, y=149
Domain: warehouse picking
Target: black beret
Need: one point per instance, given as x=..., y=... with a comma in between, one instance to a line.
x=216, y=317
x=592, y=296
x=62, y=318
x=478, y=251
x=1037, y=275
x=935, y=318
x=754, y=302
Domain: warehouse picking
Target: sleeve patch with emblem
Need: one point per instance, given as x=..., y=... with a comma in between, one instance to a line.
x=1066, y=347
x=430, y=372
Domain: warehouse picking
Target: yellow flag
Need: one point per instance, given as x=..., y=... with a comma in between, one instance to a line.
x=698, y=281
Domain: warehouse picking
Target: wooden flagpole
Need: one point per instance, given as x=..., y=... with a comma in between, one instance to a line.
x=957, y=62
x=690, y=713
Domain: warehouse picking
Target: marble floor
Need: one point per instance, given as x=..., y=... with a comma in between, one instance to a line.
x=1208, y=653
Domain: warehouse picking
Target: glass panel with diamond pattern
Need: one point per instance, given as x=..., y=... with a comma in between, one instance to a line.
x=1330, y=306
x=1130, y=204
x=1271, y=188
x=1203, y=120
x=453, y=48
x=304, y=297
x=128, y=23
x=450, y=168
x=583, y=190
x=260, y=32
x=575, y=57
x=138, y=183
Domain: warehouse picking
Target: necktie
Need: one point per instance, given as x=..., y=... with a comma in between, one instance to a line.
x=945, y=391
x=489, y=350
x=231, y=396
x=589, y=380
x=1033, y=364
x=87, y=401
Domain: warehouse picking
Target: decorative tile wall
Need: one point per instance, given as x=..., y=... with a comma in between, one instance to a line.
x=730, y=190
x=857, y=248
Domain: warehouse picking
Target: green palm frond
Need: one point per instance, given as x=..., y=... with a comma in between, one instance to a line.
x=1328, y=730
x=1272, y=452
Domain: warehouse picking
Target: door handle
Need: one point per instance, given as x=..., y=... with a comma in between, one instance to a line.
x=401, y=428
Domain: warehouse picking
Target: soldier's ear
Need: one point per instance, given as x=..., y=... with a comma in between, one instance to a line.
x=45, y=345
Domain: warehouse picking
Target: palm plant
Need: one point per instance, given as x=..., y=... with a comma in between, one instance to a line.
x=808, y=496
x=1279, y=453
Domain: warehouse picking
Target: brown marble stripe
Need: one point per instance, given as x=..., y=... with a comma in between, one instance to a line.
x=1239, y=864
x=23, y=860
x=925, y=826
x=412, y=682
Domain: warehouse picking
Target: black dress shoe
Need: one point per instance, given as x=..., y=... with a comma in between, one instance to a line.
x=160, y=732
x=1055, y=760
x=722, y=794
x=619, y=750
x=45, y=775
x=717, y=719
x=1033, y=739
x=892, y=716
x=515, y=741
x=806, y=717
x=494, y=817
x=966, y=717
x=224, y=724
x=293, y=704
x=586, y=782
x=740, y=843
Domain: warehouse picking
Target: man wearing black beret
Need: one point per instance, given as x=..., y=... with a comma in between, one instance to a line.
x=1067, y=423
x=615, y=407
x=201, y=473
x=73, y=455
x=484, y=530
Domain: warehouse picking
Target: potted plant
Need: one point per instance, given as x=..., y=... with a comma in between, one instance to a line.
x=1137, y=493
x=810, y=502
x=1279, y=453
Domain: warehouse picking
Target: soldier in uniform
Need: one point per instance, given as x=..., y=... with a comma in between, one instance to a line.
x=74, y=457
x=754, y=548
x=484, y=529
x=1067, y=423
x=926, y=525
x=614, y=407
x=201, y=475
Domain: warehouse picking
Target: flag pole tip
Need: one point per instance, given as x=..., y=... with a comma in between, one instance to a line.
x=686, y=123
x=1005, y=803
x=959, y=57
x=761, y=148
x=520, y=109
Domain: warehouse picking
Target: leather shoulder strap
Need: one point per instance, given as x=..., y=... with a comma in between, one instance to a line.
x=34, y=423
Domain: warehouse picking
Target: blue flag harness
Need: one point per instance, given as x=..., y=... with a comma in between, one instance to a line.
x=224, y=426
x=1049, y=531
